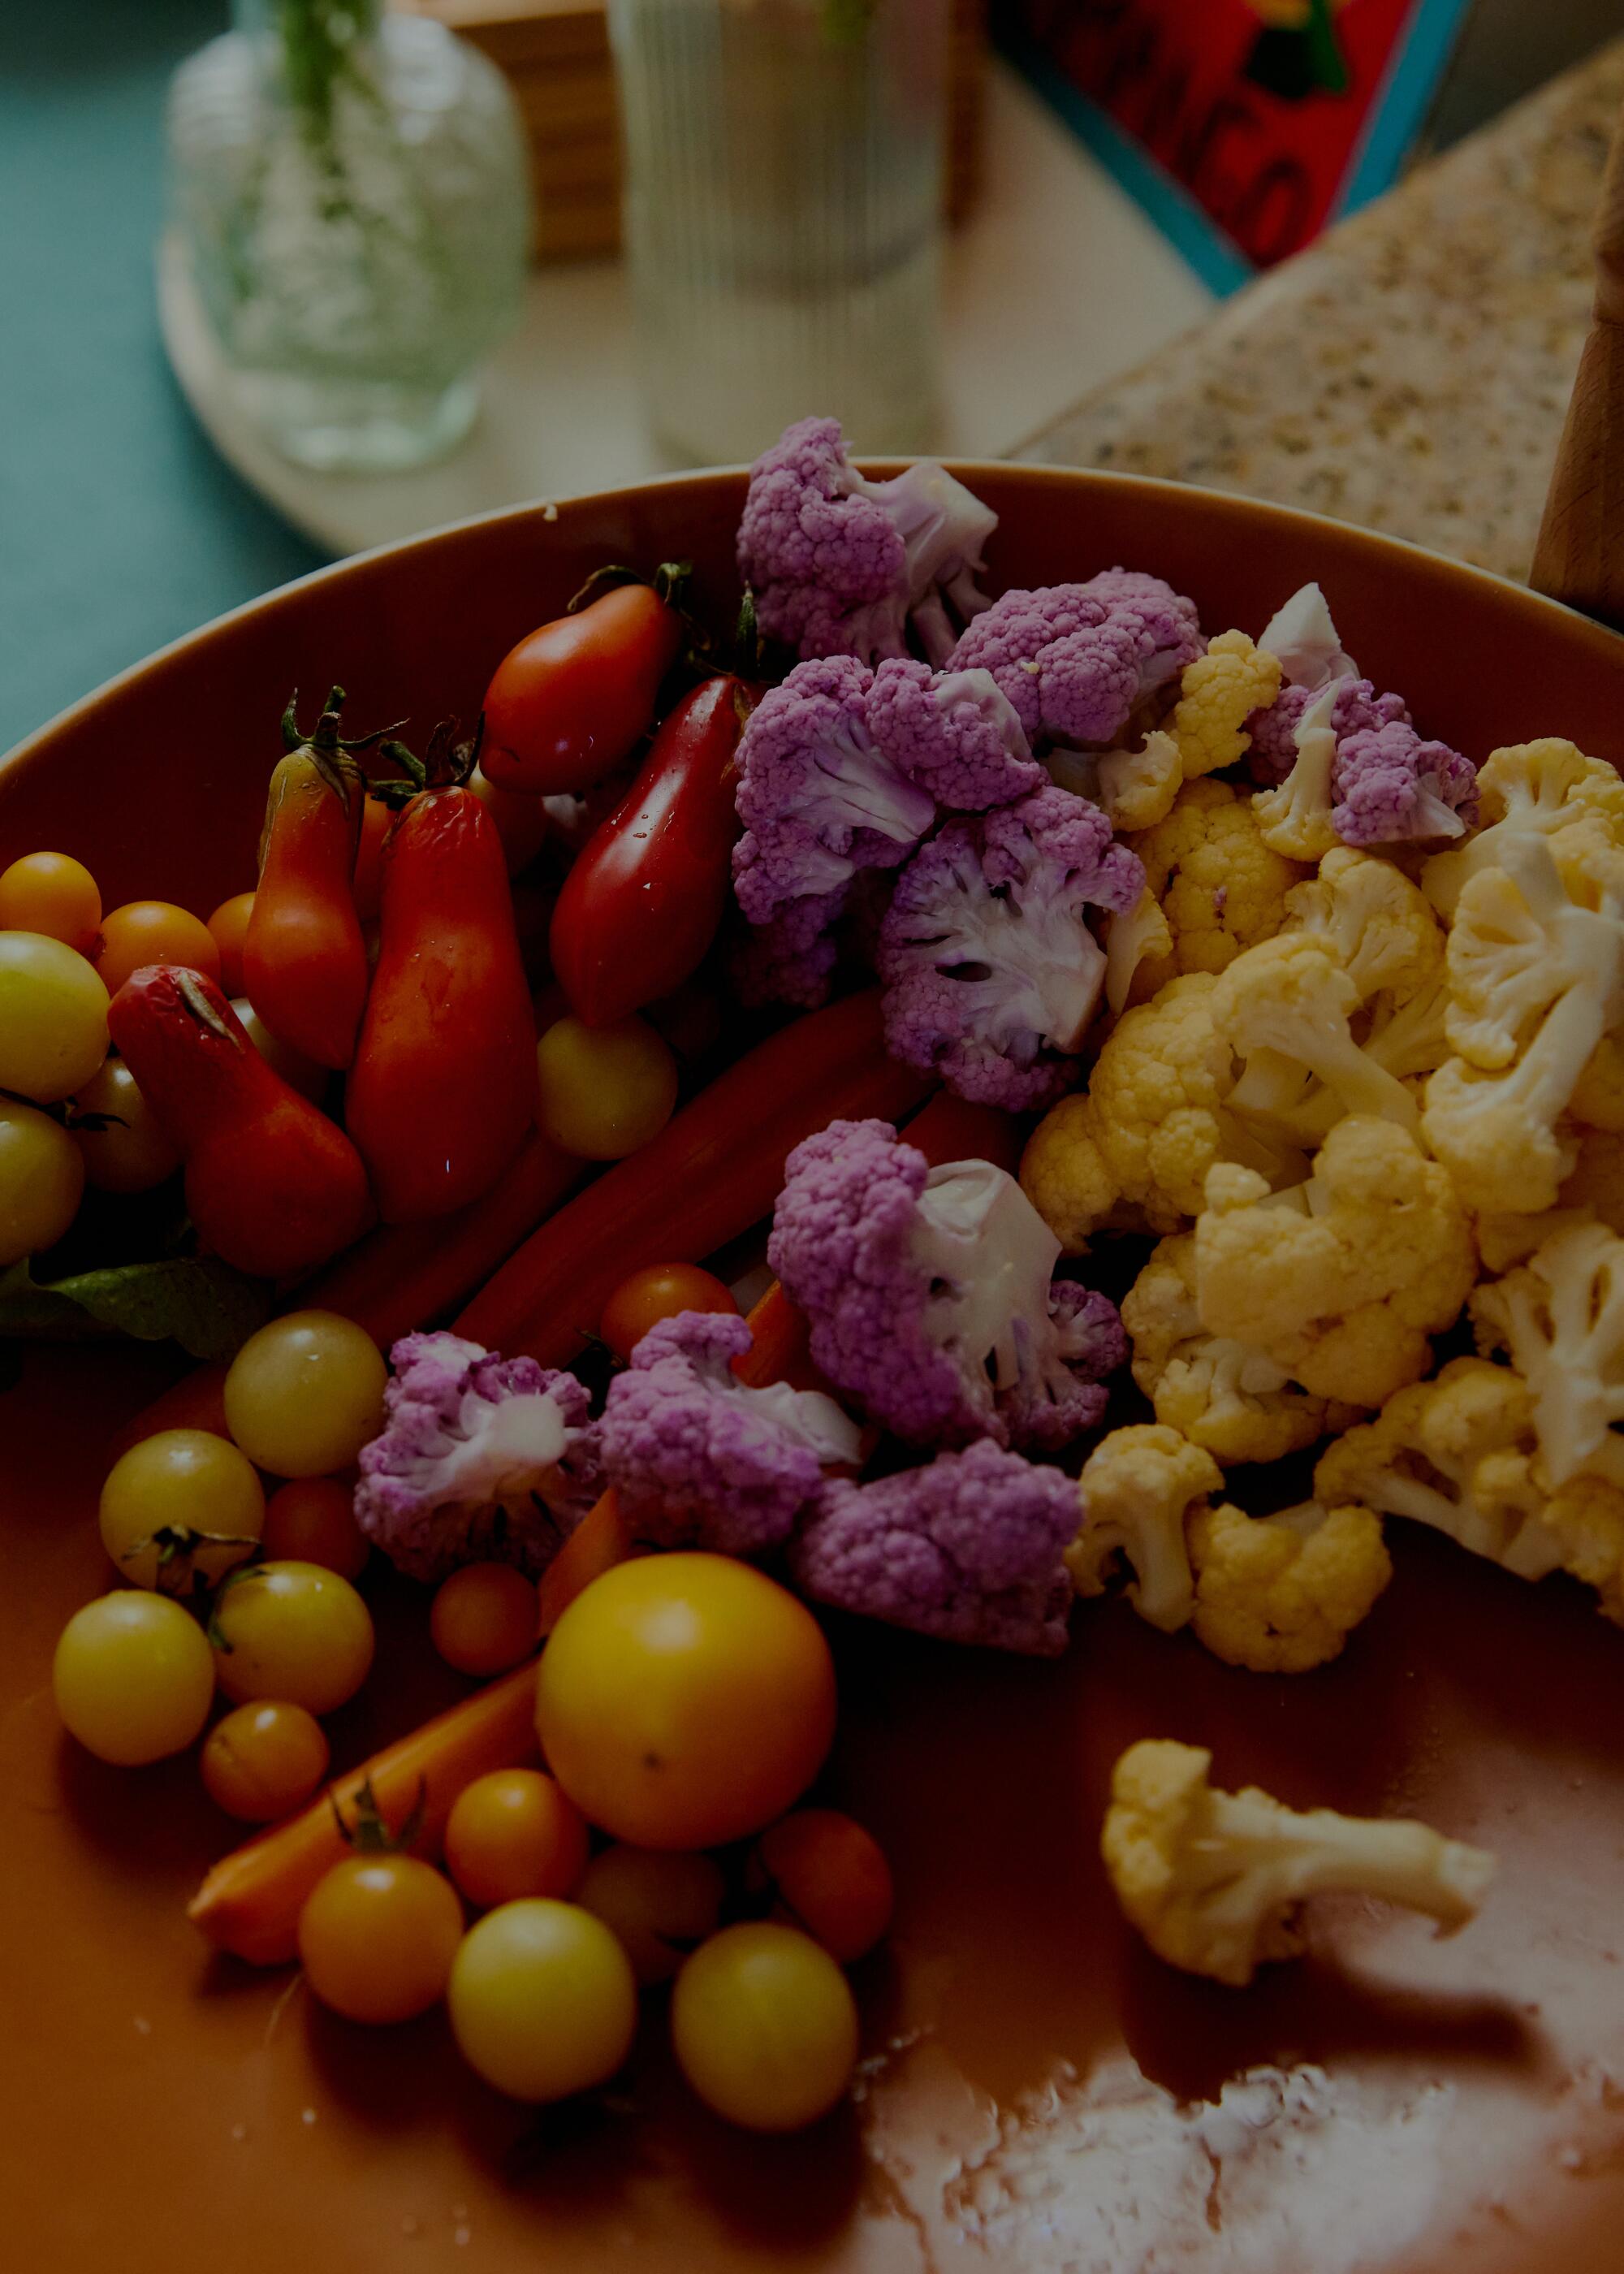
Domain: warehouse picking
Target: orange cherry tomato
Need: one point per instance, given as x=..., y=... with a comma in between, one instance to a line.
x=514, y=1832
x=229, y=925
x=377, y=1937
x=659, y=1292
x=567, y=704
x=685, y=1700
x=830, y=1879
x=375, y=819
x=311, y=1520
x=154, y=931
x=52, y=894
x=483, y=1621
x=264, y=1760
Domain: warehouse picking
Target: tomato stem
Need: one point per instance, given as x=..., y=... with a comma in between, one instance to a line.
x=368, y=1834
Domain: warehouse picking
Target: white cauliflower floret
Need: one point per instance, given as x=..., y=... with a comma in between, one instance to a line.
x=1211, y=1880
x=1559, y=971
x=1136, y=1487
x=1224, y=1395
x=1340, y=1281
x=1528, y=790
x=1560, y=1319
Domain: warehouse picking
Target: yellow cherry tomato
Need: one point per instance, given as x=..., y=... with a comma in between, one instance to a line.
x=658, y=1902
x=311, y=1520
x=685, y=1700
x=377, y=1937
x=133, y=1677
x=53, y=1016
x=660, y=1290
x=542, y=2000
x=229, y=925
x=514, y=1832
x=299, y=1072
x=53, y=894
x=182, y=1502
x=482, y=1618
x=605, y=1090
x=765, y=2026
x=154, y=931
x=42, y=1181
x=130, y=1153
x=305, y=1393
x=263, y=1760
x=295, y=1631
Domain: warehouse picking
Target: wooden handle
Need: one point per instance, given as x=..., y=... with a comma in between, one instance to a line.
x=1579, y=557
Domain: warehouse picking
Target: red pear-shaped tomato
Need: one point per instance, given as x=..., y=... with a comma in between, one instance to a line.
x=443, y=1086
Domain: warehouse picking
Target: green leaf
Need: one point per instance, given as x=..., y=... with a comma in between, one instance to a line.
x=198, y=1301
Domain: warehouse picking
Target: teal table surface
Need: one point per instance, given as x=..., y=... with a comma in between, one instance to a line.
x=119, y=527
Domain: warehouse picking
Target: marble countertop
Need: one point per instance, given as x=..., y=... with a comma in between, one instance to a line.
x=1411, y=370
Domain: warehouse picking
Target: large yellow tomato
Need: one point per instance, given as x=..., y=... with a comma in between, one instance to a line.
x=685, y=1700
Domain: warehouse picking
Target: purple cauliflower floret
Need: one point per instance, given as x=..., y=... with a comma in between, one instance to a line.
x=791, y=957
x=991, y=972
x=968, y=1548
x=1356, y=709
x=842, y=566
x=699, y=1457
x=955, y=733
x=1076, y=663
x=1389, y=785
x=481, y=1460
x=1302, y=635
x=930, y=1296
x=818, y=798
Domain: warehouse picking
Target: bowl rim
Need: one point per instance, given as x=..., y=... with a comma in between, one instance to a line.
x=550, y=510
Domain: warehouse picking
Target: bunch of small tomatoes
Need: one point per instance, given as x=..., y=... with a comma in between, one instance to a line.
x=357, y=1037
x=683, y=1704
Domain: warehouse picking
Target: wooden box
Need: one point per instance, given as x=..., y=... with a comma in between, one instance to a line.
x=555, y=53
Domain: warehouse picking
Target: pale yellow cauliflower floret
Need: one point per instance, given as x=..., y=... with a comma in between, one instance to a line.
x=1528, y=790
x=1136, y=944
x=1137, y=788
x=1586, y=1515
x=1217, y=883
x=1134, y=1153
x=1134, y=1493
x=1282, y=1593
x=1340, y=1282
x=1224, y=1395
x=1211, y=1880
x=1453, y=1454
x=1376, y=924
x=1218, y=693
x=1289, y=1009
x=1295, y=818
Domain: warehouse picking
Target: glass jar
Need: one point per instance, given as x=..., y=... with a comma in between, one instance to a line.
x=783, y=215
x=350, y=193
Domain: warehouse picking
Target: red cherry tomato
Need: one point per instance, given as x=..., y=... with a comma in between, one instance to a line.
x=642, y=901
x=304, y=959
x=657, y=1292
x=567, y=705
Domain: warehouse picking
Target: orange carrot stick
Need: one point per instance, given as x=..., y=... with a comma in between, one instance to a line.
x=949, y=1129
x=250, y=1903
x=601, y=1539
x=713, y=1172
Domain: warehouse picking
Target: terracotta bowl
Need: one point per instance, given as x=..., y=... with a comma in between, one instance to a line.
x=1041, y=2095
